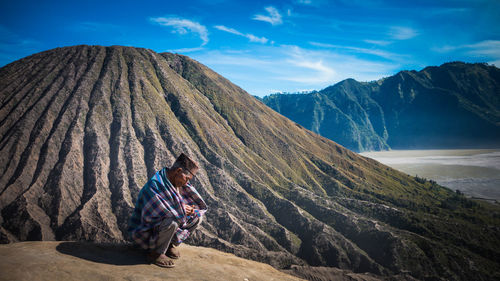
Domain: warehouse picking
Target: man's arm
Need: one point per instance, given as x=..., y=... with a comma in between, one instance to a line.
x=193, y=198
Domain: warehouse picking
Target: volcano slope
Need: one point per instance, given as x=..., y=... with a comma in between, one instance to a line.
x=83, y=128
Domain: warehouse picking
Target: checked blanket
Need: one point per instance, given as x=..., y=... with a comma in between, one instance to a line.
x=159, y=200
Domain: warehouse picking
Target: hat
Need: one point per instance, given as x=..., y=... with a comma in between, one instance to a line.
x=183, y=161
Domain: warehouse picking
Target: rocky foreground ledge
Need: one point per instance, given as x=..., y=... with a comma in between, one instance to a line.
x=55, y=261
x=90, y=261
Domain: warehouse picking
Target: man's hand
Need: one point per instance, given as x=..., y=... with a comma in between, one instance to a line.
x=189, y=210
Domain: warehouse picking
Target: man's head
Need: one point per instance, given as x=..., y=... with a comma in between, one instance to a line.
x=182, y=171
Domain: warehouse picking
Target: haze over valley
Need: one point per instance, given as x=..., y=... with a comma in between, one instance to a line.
x=474, y=172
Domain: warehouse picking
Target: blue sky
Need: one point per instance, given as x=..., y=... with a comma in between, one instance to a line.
x=268, y=46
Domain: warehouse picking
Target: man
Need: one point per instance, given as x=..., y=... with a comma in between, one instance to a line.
x=168, y=209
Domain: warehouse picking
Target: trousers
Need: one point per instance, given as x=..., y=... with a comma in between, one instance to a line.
x=167, y=230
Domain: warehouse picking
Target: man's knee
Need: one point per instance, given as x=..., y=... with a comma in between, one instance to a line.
x=167, y=224
x=166, y=232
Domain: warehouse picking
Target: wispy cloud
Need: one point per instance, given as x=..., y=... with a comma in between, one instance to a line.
x=327, y=67
x=321, y=72
x=250, y=37
x=485, y=48
x=378, y=42
x=273, y=17
x=186, y=50
x=230, y=30
x=183, y=26
x=254, y=38
x=375, y=52
x=488, y=50
x=315, y=3
x=444, y=49
x=322, y=45
x=402, y=32
x=262, y=70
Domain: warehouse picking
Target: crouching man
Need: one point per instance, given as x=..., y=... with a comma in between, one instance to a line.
x=168, y=209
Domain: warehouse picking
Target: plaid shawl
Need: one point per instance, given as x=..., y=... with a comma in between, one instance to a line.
x=159, y=200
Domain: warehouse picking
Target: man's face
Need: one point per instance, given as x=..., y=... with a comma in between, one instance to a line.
x=182, y=176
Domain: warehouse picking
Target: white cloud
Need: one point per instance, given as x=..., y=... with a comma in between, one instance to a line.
x=250, y=37
x=314, y=3
x=378, y=42
x=326, y=67
x=323, y=45
x=186, y=50
x=444, y=49
x=488, y=50
x=375, y=52
x=273, y=17
x=321, y=73
x=230, y=30
x=265, y=69
x=183, y=26
x=254, y=38
x=402, y=32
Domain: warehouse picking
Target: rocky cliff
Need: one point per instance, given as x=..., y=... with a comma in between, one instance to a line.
x=83, y=128
x=455, y=105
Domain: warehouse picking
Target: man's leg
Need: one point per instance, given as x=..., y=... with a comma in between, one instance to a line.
x=172, y=252
x=166, y=231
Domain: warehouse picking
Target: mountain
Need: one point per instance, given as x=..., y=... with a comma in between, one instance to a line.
x=83, y=128
x=456, y=105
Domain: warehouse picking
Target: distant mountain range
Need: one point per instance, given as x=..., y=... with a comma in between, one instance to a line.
x=83, y=128
x=455, y=105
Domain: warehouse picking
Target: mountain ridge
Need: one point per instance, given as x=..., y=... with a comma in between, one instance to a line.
x=455, y=105
x=84, y=127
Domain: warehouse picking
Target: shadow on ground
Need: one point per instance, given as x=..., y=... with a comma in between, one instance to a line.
x=107, y=253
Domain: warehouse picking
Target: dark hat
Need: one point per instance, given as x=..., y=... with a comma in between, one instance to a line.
x=183, y=161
